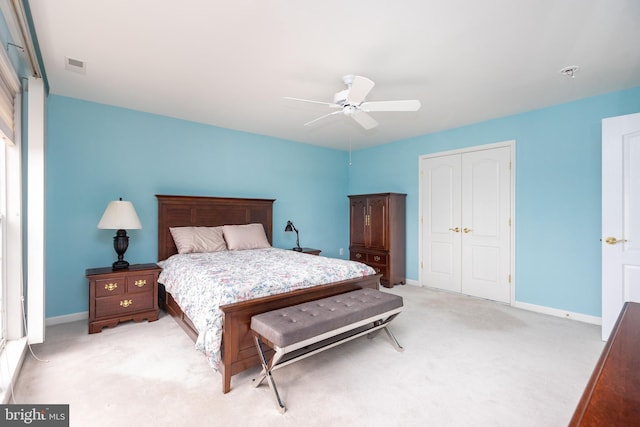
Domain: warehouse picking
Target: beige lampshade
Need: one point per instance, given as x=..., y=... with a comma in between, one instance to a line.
x=120, y=215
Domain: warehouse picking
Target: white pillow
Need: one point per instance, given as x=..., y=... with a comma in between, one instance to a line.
x=249, y=236
x=198, y=239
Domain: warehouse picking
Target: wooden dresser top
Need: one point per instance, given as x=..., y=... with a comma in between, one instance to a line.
x=612, y=396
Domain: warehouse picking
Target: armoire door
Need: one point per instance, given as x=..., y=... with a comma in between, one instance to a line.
x=466, y=213
x=358, y=222
x=377, y=220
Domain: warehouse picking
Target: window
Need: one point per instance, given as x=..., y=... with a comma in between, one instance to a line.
x=21, y=62
x=3, y=269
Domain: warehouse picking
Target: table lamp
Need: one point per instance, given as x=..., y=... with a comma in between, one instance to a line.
x=120, y=215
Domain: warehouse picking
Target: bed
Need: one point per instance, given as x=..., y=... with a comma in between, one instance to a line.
x=238, y=351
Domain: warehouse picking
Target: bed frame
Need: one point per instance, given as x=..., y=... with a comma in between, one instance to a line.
x=238, y=349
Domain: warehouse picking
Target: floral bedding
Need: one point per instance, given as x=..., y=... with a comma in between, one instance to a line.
x=202, y=282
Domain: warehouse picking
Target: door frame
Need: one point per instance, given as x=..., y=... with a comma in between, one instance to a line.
x=512, y=232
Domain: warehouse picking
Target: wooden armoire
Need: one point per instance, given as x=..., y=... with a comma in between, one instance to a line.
x=377, y=234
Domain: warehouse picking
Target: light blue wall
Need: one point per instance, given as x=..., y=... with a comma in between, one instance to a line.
x=558, y=154
x=97, y=153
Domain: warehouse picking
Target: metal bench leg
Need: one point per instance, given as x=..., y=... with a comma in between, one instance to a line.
x=386, y=322
x=395, y=342
x=266, y=373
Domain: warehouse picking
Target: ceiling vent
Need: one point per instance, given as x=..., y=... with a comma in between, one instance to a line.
x=75, y=65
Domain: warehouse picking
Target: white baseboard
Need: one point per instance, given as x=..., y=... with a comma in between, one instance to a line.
x=67, y=318
x=594, y=320
x=559, y=313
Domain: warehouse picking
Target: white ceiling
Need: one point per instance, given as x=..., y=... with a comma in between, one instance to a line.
x=230, y=63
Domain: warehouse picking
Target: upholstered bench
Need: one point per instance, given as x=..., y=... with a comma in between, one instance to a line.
x=305, y=329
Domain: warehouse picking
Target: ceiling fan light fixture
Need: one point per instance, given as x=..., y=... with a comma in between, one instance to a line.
x=351, y=102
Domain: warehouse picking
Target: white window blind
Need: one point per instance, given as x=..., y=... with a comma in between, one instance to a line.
x=9, y=87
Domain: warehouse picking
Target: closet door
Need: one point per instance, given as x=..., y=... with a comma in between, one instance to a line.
x=441, y=222
x=486, y=206
x=466, y=234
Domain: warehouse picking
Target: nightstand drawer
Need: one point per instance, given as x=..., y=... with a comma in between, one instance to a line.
x=358, y=256
x=110, y=287
x=140, y=283
x=120, y=305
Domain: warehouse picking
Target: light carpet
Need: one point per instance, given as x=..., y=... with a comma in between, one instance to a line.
x=467, y=362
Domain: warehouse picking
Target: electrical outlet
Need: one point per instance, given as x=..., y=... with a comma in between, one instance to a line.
x=341, y=251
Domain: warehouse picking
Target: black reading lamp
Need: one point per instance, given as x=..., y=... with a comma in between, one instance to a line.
x=291, y=227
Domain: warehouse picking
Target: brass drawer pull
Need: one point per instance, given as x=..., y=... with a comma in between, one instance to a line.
x=126, y=303
x=110, y=286
x=140, y=283
x=376, y=258
x=358, y=255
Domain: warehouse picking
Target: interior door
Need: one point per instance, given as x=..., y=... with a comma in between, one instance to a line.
x=441, y=222
x=620, y=216
x=486, y=214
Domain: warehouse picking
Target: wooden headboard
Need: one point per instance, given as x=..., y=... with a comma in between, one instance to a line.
x=196, y=211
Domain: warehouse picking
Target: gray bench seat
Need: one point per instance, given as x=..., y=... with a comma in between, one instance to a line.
x=345, y=317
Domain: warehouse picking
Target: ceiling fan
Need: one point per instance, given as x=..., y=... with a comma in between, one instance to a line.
x=351, y=102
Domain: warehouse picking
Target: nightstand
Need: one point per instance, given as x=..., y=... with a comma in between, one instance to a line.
x=310, y=251
x=119, y=295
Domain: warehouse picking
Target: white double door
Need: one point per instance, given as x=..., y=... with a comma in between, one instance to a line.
x=620, y=216
x=466, y=222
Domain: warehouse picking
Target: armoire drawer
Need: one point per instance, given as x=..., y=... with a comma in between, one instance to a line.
x=378, y=259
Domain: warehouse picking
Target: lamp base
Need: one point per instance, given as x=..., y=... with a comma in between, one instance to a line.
x=120, y=265
x=120, y=244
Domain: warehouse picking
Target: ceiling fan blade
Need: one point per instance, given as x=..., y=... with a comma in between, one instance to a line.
x=363, y=119
x=408, y=105
x=330, y=104
x=322, y=117
x=360, y=88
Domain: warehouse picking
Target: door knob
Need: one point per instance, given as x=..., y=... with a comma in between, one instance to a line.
x=613, y=240
x=466, y=230
x=457, y=229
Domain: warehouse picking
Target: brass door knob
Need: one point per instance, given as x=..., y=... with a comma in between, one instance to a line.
x=612, y=240
x=457, y=229
x=467, y=230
